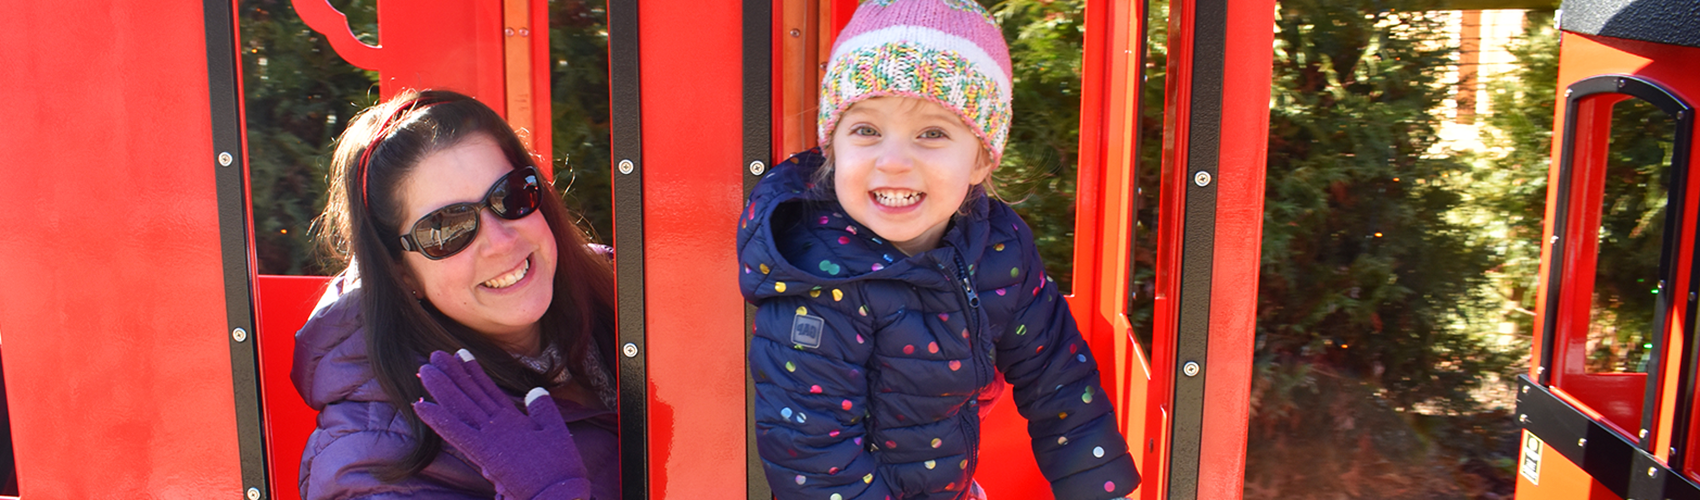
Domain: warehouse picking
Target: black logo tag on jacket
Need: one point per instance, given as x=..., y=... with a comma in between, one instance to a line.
x=806, y=330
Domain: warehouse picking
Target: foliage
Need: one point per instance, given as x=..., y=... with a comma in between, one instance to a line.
x=1373, y=299
x=300, y=95
x=1037, y=175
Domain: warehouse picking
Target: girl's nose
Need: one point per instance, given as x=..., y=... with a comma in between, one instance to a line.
x=894, y=158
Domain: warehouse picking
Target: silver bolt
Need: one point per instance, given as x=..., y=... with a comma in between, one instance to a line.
x=1680, y=114
x=1643, y=433
x=253, y=494
x=796, y=33
x=1523, y=417
x=1555, y=239
x=630, y=350
x=524, y=32
x=626, y=166
x=1621, y=82
x=1652, y=472
x=757, y=167
x=1190, y=369
x=1525, y=389
x=508, y=31
x=1582, y=442
x=1567, y=92
x=224, y=158
x=1201, y=178
x=239, y=335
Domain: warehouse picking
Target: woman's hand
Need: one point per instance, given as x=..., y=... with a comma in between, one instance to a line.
x=528, y=455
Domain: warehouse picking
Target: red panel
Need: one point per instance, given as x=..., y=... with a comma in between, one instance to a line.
x=693, y=188
x=114, y=311
x=284, y=303
x=1239, y=227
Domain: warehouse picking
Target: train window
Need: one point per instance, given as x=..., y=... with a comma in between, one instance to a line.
x=300, y=94
x=1615, y=283
x=1627, y=278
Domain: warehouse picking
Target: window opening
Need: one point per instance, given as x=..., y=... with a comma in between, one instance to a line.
x=1627, y=271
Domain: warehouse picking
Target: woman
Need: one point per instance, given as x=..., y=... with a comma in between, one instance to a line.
x=431, y=206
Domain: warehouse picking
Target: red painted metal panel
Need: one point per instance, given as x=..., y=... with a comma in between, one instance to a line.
x=283, y=304
x=116, y=344
x=693, y=188
x=1247, y=65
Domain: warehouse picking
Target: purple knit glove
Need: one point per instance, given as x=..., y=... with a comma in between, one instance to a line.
x=528, y=457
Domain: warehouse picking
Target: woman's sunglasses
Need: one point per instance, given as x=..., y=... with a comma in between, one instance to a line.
x=448, y=230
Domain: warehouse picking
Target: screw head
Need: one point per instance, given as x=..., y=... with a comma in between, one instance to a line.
x=1525, y=389
x=1652, y=471
x=524, y=32
x=1643, y=433
x=253, y=494
x=224, y=158
x=239, y=335
x=1201, y=178
x=757, y=167
x=1582, y=442
x=1621, y=82
x=1191, y=369
x=626, y=166
x=1523, y=418
x=630, y=350
x=796, y=33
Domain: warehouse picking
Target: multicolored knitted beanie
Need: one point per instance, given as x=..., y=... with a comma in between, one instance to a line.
x=947, y=51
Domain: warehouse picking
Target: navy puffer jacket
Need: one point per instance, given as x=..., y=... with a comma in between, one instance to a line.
x=869, y=363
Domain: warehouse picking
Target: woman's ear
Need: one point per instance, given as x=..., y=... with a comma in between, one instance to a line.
x=405, y=274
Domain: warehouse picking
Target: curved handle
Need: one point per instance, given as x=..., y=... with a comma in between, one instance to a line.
x=325, y=19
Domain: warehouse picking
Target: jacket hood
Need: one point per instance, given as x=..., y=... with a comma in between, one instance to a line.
x=795, y=239
x=330, y=349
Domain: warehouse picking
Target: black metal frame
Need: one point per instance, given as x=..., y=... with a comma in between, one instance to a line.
x=1192, y=336
x=626, y=144
x=224, y=96
x=758, y=146
x=1682, y=113
x=1612, y=459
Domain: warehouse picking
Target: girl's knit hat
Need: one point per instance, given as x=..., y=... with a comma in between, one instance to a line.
x=949, y=52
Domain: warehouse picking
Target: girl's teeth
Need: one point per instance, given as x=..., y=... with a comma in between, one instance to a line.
x=509, y=279
x=896, y=200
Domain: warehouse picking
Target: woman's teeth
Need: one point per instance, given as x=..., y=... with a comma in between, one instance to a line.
x=897, y=199
x=509, y=279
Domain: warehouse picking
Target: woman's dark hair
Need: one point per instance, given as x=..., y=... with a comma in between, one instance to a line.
x=360, y=228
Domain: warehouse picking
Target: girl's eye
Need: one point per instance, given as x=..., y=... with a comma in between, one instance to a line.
x=864, y=130
x=933, y=134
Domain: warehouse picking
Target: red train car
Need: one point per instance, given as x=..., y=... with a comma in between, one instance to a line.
x=1599, y=422
x=145, y=358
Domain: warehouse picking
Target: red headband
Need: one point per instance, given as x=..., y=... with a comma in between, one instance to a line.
x=383, y=133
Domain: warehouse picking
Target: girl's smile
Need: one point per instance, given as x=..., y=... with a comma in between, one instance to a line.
x=903, y=166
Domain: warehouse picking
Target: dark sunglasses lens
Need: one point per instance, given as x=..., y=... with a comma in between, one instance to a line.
x=446, y=231
x=517, y=195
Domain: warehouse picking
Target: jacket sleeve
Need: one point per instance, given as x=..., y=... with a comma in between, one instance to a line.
x=341, y=463
x=811, y=402
x=1070, y=419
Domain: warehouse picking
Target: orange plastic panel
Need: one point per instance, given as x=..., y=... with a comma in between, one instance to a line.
x=284, y=303
x=117, y=350
x=1560, y=479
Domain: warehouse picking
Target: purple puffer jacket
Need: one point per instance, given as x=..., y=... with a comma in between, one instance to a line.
x=359, y=429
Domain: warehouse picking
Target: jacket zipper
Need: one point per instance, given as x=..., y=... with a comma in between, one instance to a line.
x=971, y=418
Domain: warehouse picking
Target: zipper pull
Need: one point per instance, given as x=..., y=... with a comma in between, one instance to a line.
x=973, y=298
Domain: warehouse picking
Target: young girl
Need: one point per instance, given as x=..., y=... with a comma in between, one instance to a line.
x=455, y=242
x=895, y=295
